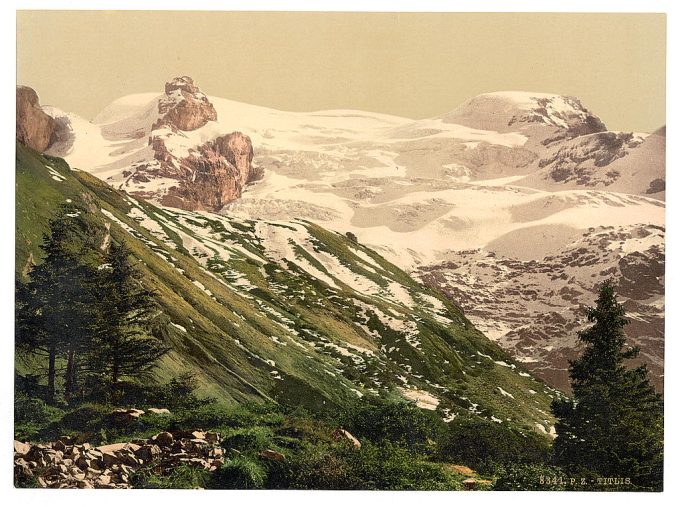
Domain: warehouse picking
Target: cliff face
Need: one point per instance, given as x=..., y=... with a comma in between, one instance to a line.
x=34, y=127
x=213, y=175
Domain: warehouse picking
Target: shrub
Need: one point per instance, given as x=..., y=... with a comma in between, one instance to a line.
x=394, y=421
x=239, y=473
x=87, y=417
x=249, y=439
x=32, y=414
x=373, y=467
x=478, y=443
x=390, y=467
x=522, y=477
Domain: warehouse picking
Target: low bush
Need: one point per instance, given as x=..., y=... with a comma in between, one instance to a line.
x=397, y=422
x=241, y=472
x=253, y=439
x=480, y=444
x=373, y=467
x=31, y=415
x=523, y=477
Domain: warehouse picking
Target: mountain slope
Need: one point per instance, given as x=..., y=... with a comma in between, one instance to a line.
x=286, y=310
x=520, y=175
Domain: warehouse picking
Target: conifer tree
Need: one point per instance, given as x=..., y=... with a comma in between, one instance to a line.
x=54, y=312
x=613, y=425
x=124, y=347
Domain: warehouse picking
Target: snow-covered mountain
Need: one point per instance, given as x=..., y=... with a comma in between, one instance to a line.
x=503, y=181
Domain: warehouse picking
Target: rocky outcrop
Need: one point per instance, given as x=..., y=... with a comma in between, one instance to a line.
x=184, y=106
x=68, y=464
x=35, y=128
x=208, y=175
x=213, y=175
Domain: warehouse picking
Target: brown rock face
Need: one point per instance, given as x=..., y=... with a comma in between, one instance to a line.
x=213, y=175
x=184, y=106
x=35, y=128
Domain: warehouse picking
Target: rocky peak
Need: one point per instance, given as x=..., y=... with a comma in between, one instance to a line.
x=184, y=106
x=35, y=128
x=512, y=111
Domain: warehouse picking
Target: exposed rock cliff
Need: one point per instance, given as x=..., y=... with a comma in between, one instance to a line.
x=213, y=175
x=34, y=127
x=184, y=106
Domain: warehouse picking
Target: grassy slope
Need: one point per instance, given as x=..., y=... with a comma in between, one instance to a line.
x=253, y=326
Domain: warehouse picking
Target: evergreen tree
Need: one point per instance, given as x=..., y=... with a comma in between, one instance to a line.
x=613, y=426
x=124, y=347
x=54, y=312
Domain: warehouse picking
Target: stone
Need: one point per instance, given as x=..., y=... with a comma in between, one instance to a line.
x=158, y=411
x=122, y=446
x=196, y=445
x=343, y=434
x=110, y=458
x=212, y=437
x=272, y=455
x=470, y=484
x=22, y=468
x=164, y=439
x=83, y=463
x=125, y=416
x=59, y=446
x=21, y=448
x=103, y=480
x=149, y=452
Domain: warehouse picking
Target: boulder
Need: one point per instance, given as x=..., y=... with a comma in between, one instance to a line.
x=21, y=448
x=102, y=480
x=164, y=439
x=149, y=453
x=272, y=455
x=121, y=446
x=344, y=435
x=470, y=484
x=212, y=437
x=125, y=416
x=158, y=411
x=22, y=468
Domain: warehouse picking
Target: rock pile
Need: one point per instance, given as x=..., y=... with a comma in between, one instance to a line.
x=67, y=464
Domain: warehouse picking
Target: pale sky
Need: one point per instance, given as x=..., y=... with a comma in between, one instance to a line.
x=413, y=65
